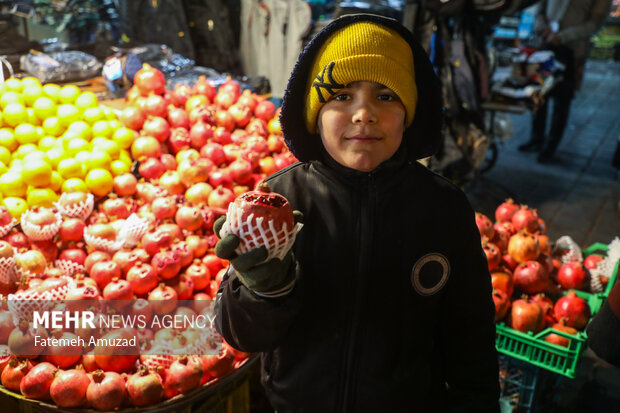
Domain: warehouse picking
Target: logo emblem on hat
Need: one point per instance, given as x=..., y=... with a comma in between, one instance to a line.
x=430, y=274
x=320, y=83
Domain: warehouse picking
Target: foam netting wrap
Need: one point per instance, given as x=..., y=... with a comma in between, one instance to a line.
x=81, y=210
x=208, y=342
x=6, y=228
x=133, y=230
x=8, y=271
x=23, y=303
x=573, y=252
x=605, y=268
x=159, y=356
x=38, y=232
x=103, y=244
x=70, y=268
x=278, y=243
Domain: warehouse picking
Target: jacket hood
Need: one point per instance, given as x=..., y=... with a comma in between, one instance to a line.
x=421, y=138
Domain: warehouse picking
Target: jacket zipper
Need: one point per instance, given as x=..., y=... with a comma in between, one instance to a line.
x=366, y=215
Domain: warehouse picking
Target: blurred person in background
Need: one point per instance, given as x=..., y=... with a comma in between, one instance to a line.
x=564, y=27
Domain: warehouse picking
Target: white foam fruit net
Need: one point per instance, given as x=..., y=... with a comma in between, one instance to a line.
x=6, y=228
x=256, y=232
x=8, y=273
x=573, y=252
x=81, y=210
x=38, y=232
x=133, y=230
x=23, y=304
x=605, y=267
x=159, y=356
x=103, y=244
x=208, y=342
x=69, y=267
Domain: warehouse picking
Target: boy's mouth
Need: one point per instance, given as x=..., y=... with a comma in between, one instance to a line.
x=361, y=138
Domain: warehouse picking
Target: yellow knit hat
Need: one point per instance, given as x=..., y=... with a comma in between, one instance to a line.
x=363, y=51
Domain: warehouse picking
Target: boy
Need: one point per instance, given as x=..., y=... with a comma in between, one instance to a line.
x=384, y=303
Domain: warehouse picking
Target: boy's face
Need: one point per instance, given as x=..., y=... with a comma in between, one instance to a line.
x=362, y=125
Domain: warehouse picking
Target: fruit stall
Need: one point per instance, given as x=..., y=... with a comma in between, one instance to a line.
x=115, y=202
x=545, y=293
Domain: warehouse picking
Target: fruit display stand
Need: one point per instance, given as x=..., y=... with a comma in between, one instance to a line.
x=173, y=161
x=532, y=348
x=229, y=394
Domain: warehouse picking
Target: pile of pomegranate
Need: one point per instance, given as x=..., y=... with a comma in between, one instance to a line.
x=150, y=241
x=533, y=286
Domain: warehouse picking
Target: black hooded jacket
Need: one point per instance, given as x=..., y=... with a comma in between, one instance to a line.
x=392, y=308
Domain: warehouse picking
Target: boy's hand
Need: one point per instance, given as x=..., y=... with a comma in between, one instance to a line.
x=255, y=274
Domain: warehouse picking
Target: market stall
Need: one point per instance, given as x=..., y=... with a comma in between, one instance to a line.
x=116, y=200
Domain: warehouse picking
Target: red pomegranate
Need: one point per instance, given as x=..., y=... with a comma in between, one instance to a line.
x=183, y=285
x=530, y=277
x=485, y=226
x=199, y=274
x=163, y=299
x=505, y=211
x=119, y=293
x=72, y=229
x=95, y=257
x=121, y=358
x=218, y=365
x=104, y=272
x=525, y=219
x=591, y=261
x=546, y=304
x=64, y=355
x=523, y=247
x=69, y=388
x=526, y=315
x=157, y=127
x=183, y=375
x=6, y=325
x=203, y=87
x=144, y=388
x=574, y=309
x=37, y=382
x=142, y=278
x=189, y=218
x=76, y=255
x=167, y=264
x=125, y=184
x=148, y=79
x=573, y=275
x=558, y=339
x=502, y=280
x=22, y=340
x=270, y=206
x=493, y=254
x=106, y=390
x=14, y=372
x=502, y=303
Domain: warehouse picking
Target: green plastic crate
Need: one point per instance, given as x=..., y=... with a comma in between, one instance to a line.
x=532, y=348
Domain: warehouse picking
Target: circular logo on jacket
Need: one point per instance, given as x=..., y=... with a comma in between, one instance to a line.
x=430, y=273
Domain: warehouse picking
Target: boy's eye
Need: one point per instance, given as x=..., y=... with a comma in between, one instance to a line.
x=387, y=97
x=341, y=97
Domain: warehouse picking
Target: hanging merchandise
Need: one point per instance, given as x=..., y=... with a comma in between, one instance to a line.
x=156, y=21
x=271, y=38
x=213, y=33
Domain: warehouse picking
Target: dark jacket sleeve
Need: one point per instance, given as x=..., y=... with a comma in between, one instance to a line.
x=252, y=323
x=604, y=335
x=467, y=330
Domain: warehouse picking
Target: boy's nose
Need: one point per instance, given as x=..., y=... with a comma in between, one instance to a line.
x=364, y=114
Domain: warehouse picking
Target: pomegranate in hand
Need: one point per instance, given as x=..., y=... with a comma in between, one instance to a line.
x=261, y=218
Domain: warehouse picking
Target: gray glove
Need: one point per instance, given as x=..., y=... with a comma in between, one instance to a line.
x=258, y=276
